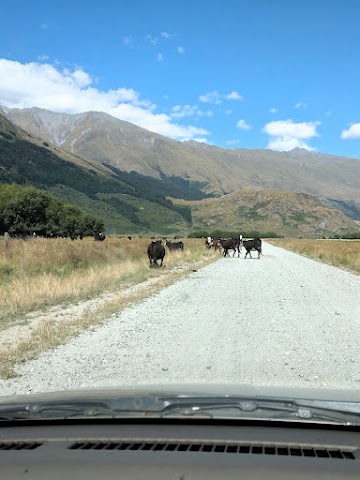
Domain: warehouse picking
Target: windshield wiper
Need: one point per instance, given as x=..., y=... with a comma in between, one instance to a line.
x=270, y=408
x=180, y=406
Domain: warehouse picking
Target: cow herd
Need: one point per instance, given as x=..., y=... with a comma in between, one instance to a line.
x=156, y=250
x=225, y=245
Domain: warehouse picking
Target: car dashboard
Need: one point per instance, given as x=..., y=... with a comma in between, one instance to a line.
x=169, y=449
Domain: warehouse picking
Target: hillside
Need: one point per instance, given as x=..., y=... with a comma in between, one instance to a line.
x=285, y=213
x=95, y=135
x=127, y=202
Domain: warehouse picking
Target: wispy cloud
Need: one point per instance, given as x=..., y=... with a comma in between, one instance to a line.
x=352, y=132
x=300, y=105
x=72, y=91
x=273, y=110
x=180, y=50
x=127, y=40
x=243, y=125
x=287, y=135
x=217, y=98
x=42, y=58
x=181, y=111
x=160, y=57
x=166, y=35
x=232, y=142
x=210, y=97
x=151, y=39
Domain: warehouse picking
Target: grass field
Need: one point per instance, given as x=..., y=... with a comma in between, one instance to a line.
x=340, y=253
x=42, y=272
x=38, y=273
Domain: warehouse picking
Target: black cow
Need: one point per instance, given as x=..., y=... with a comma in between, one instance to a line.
x=174, y=245
x=231, y=244
x=99, y=237
x=155, y=252
x=254, y=244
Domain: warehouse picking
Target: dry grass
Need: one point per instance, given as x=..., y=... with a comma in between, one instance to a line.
x=49, y=333
x=43, y=272
x=340, y=253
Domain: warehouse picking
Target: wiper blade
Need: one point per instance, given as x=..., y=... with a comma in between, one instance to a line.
x=180, y=406
x=270, y=408
x=56, y=410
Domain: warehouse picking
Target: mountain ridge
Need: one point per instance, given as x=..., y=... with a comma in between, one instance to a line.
x=100, y=137
x=132, y=195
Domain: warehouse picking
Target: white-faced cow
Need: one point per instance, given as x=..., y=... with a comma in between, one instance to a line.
x=156, y=252
x=99, y=237
x=174, y=245
x=254, y=244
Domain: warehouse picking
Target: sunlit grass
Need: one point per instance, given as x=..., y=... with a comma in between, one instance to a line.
x=105, y=267
x=340, y=253
x=42, y=272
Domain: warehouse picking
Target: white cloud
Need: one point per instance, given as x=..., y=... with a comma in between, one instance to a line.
x=71, y=91
x=180, y=50
x=151, y=39
x=166, y=34
x=210, y=97
x=273, y=110
x=160, y=57
x=216, y=97
x=352, y=132
x=286, y=143
x=292, y=129
x=243, y=125
x=233, y=96
x=181, y=111
x=300, y=105
x=42, y=58
x=288, y=134
x=228, y=112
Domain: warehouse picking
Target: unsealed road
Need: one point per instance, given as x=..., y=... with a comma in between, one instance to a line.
x=283, y=320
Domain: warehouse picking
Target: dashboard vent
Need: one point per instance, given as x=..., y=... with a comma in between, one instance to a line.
x=295, y=451
x=19, y=445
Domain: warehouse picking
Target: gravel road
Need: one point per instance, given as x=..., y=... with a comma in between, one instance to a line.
x=283, y=320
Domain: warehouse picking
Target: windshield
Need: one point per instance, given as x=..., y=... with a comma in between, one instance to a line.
x=180, y=209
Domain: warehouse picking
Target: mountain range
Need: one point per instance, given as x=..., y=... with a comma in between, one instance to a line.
x=188, y=172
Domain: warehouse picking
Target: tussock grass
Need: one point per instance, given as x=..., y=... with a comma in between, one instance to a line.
x=49, y=333
x=43, y=272
x=340, y=253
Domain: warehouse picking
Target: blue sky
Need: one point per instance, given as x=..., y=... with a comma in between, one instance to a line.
x=234, y=73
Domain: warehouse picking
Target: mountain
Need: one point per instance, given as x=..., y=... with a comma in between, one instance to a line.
x=127, y=202
x=333, y=179
x=264, y=210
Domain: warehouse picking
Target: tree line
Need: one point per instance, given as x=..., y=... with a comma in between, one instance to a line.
x=27, y=211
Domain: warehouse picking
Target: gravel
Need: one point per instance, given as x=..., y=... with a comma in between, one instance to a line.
x=283, y=320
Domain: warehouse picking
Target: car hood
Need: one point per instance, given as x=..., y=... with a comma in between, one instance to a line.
x=193, y=389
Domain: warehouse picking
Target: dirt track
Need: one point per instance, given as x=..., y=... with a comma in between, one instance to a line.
x=283, y=320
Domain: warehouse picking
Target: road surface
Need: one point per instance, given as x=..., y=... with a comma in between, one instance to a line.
x=283, y=320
